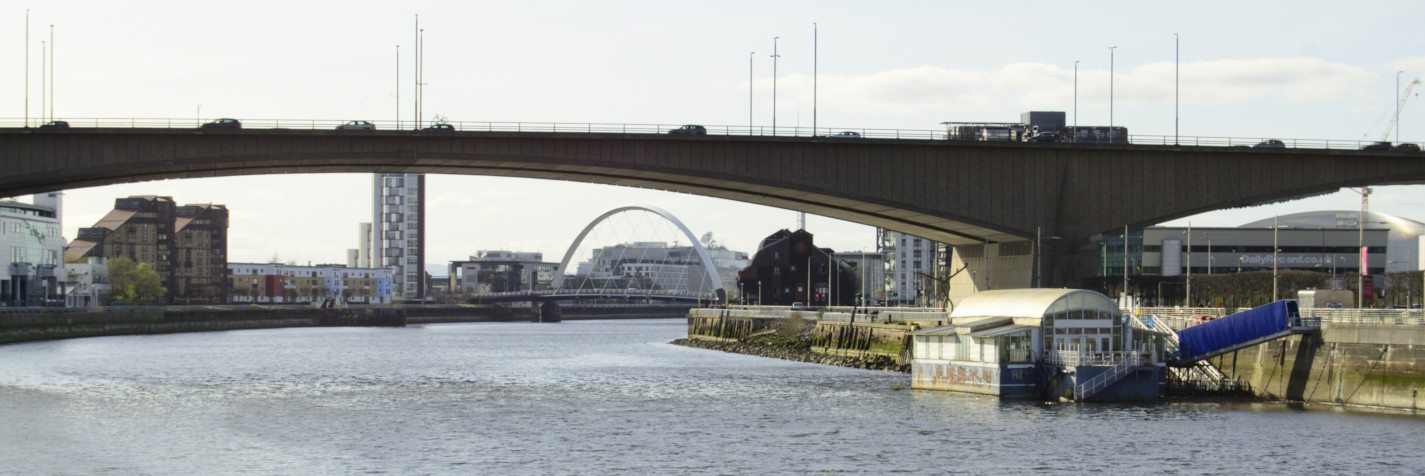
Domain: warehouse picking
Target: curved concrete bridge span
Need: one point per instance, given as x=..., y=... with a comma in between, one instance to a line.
x=949, y=191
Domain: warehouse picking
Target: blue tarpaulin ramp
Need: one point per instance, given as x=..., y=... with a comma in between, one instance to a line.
x=1236, y=329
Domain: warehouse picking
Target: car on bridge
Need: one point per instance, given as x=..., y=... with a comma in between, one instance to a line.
x=1270, y=144
x=1407, y=147
x=55, y=125
x=1377, y=146
x=442, y=127
x=845, y=135
x=1046, y=137
x=224, y=123
x=690, y=129
x=357, y=126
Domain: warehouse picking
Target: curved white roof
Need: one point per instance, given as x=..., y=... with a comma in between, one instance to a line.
x=1033, y=302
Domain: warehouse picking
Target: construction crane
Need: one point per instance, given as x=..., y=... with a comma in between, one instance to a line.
x=1395, y=115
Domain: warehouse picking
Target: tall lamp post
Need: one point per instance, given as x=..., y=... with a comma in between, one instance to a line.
x=813, y=78
x=1275, y=249
x=1188, y=298
x=774, y=84
x=1177, y=48
x=749, y=91
x=1209, y=252
x=1110, y=103
x=1076, y=101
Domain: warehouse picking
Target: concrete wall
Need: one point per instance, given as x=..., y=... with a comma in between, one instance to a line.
x=1355, y=364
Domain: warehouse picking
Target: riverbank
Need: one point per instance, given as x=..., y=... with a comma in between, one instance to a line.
x=794, y=349
x=49, y=324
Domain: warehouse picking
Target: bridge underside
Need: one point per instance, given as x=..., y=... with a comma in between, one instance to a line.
x=948, y=191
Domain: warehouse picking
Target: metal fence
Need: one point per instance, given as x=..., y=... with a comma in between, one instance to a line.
x=1075, y=359
x=610, y=128
x=1182, y=318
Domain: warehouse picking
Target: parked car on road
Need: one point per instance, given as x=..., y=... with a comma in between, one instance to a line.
x=1270, y=144
x=1377, y=146
x=224, y=123
x=1407, y=147
x=55, y=125
x=439, y=128
x=357, y=126
x=690, y=129
x=845, y=135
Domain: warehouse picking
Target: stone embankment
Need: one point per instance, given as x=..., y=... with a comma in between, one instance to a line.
x=794, y=349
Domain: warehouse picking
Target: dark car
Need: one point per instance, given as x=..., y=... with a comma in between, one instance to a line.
x=845, y=135
x=224, y=123
x=55, y=125
x=439, y=128
x=1270, y=144
x=1046, y=137
x=690, y=129
x=1377, y=146
x=1407, y=148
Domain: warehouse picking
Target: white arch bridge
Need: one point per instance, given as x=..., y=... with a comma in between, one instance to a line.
x=632, y=268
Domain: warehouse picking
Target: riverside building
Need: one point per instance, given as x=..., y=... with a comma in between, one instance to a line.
x=186, y=246
x=397, y=234
x=276, y=283
x=31, y=250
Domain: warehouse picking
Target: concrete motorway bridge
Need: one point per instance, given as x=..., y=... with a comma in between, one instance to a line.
x=954, y=192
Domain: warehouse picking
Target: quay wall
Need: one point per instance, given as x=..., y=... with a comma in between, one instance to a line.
x=835, y=337
x=33, y=325
x=1381, y=365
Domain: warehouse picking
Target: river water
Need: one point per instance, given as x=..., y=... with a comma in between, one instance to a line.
x=601, y=397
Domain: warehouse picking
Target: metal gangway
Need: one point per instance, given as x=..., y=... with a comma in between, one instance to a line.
x=1201, y=373
x=1240, y=330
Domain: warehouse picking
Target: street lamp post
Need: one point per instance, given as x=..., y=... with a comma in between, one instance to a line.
x=774, y=84
x=1209, y=253
x=1188, y=297
x=759, y=292
x=813, y=78
x=1177, y=48
x=749, y=91
x=1076, y=102
x=1274, y=258
x=1110, y=100
x=1125, y=263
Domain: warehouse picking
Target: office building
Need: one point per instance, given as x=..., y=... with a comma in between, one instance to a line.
x=31, y=251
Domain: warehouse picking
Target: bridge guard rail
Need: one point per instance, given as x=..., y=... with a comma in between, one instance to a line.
x=1235, y=329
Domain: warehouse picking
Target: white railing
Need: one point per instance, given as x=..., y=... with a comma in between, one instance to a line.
x=613, y=128
x=1108, y=377
x=1076, y=359
x=1182, y=318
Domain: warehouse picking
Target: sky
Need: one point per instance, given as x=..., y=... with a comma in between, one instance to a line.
x=1287, y=70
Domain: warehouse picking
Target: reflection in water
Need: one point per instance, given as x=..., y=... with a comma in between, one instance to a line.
x=587, y=397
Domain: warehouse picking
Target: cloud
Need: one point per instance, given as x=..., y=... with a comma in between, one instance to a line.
x=1414, y=66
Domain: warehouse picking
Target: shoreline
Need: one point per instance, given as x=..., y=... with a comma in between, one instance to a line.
x=795, y=353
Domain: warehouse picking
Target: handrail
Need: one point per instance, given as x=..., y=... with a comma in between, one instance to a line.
x=616, y=128
x=1103, y=380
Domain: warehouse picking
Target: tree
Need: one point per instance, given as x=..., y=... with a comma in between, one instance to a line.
x=133, y=282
